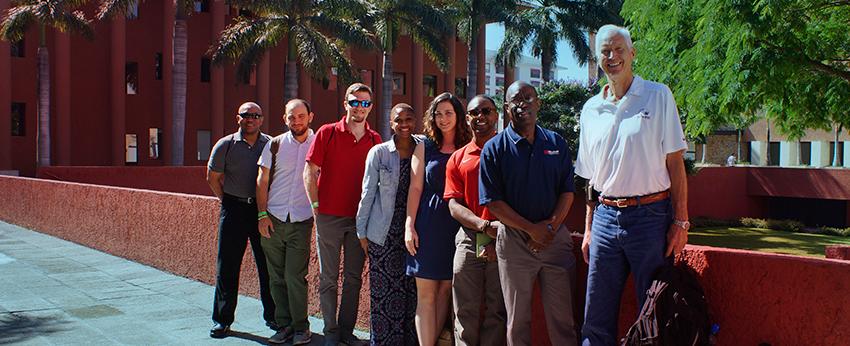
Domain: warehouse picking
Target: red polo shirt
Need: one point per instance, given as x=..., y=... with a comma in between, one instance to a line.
x=343, y=162
x=462, y=179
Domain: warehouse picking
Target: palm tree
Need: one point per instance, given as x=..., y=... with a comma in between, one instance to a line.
x=471, y=17
x=180, y=44
x=386, y=20
x=60, y=15
x=546, y=22
x=303, y=23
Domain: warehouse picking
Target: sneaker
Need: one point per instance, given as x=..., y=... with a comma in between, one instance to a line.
x=219, y=331
x=302, y=337
x=281, y=336
x=352, y=341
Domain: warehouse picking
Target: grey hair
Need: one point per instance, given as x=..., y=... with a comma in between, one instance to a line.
x=609, y=30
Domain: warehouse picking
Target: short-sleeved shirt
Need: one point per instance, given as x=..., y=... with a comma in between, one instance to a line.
x=342, y=159
x=529, y=177
x=237, y=159
x=287, y=195
x=462, y=179
x=623, y=146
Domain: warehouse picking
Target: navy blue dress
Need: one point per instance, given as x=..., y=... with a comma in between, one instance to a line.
x=434, y=224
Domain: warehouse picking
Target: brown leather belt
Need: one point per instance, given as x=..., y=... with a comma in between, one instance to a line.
x=634, y=201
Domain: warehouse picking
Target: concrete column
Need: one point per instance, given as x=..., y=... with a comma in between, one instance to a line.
x=847, y=158
x=117, y=88
x=758, y=153
x=262, y=77
x=820, y=154
x=167, y=58
x=219, y=11
x=5, y=100
x=449, y=84
x=417, y=94
x=62, y=97
x=592, y=68
x=481, y=51
x=789, y=154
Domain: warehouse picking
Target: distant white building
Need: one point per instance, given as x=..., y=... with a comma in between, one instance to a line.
x=527, y=69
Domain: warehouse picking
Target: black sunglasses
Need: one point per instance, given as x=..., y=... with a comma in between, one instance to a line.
x=247, y=115
x=358, y=103
x=483, y=111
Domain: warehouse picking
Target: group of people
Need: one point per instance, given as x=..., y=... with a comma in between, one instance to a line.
x=460, y=221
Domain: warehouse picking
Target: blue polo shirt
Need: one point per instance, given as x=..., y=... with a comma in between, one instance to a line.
x=527, y=176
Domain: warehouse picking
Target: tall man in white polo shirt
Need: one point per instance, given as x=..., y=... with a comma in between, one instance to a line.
x=630, y=151
x=286, y=221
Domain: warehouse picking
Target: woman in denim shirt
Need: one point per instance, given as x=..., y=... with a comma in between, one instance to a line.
x=380, y=227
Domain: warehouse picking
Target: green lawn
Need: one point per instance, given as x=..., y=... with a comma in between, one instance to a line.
x=765, y=240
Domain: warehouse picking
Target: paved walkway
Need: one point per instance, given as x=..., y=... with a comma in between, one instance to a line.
x=54, y=292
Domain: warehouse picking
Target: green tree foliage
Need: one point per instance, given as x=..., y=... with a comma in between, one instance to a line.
x=560, y=108
x=729, y=60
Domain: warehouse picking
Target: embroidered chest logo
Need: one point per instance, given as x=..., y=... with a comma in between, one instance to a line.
x=551, y=152
x=644, y=114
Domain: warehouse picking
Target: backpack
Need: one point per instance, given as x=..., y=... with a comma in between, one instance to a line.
x=675, y=311
x=274, y=147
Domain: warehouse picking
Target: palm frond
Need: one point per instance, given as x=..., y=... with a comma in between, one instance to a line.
x=418, y=13
x=345, y=30
x=577, y=39
x=270, y=33
x=348, y=9
x=314, y=51
x=236, y=39
x=346, y=73
x=14, y=26
x=432, y=44
x=261, y=8
x=75, y=22
x=111, y=8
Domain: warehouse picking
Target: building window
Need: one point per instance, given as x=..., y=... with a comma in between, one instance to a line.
x=535, y=73
x=840, y=153
x=204, y=145
x=133, y=10
x=487, y=91
x=500, y=69
x=429, y=85
x=19, y=112
x=154, y=136
x=205, y=70
x=17, y=48
x=248, y=77
x=131, y=148
x=460, y=87
x=157, y=64
x=398, y=83
x=535, y=83
x=806, y=153
x=202, y=6
x=131, y=77
x=487, y=79
x=500, y=81
x=773, y=159
x=487, y=67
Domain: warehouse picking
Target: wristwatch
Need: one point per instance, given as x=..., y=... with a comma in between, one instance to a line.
x=684, y=224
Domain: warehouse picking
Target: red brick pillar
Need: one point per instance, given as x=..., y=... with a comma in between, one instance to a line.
x=262, y=75
x=219, y=11
x=481, y=51
x=418, y=92
x=117, y=87
x=62, y=94
x=449, y=82
x=167, y=53
x=5, y=100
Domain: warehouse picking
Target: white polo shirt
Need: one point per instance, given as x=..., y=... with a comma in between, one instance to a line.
x=623, y=146
x=287, y=195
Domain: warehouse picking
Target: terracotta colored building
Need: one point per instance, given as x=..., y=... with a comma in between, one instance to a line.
x=111, y=96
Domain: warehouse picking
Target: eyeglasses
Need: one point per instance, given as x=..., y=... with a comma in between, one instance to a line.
x=247, y=115
x=358, y=103
x=527, y=100
x=483, y=111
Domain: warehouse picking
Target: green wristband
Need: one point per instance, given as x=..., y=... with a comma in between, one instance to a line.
x=315, y=204
x=262, y=213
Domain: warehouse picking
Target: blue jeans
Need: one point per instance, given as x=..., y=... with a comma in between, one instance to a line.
x=622, y=240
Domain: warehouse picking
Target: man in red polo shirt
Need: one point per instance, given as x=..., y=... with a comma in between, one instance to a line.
x=333, y=175
x=475, y=271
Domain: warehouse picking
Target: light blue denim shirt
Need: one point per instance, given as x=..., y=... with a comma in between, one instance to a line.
x=380, y=183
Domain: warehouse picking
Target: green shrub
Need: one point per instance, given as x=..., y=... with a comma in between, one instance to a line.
x=708, y=222
x=844, y=232
x=779, y=225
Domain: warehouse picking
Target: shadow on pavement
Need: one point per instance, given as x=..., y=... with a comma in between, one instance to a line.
x=19, y=327
x=316, y=339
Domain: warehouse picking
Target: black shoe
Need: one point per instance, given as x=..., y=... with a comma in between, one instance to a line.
x=219, y=331
x=273, y=325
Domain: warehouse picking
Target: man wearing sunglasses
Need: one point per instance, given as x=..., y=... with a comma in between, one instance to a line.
x=232, y=175
x=475, y=267
x=336, y=162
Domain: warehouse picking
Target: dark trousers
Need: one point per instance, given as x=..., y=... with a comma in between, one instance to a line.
x=238, y=224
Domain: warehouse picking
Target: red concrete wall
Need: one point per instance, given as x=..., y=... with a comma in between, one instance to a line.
x=189, y=180
x=721, y=193
x=754, y=297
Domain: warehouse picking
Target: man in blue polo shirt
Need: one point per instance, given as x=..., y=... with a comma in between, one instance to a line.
x=527, y=183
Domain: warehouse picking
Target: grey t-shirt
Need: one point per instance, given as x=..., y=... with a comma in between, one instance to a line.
x=233, y=156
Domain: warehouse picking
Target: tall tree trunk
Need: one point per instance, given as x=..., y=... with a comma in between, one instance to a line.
x=702, y=160
x=386, y=96
x=178, y=89
x=546, y=61
x=472, y=66
x=290, y=72
x=43, y=106
x=835, y=149
x=738, y=155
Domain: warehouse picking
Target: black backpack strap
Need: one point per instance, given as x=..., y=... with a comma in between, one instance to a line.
x=274, y=147
x=229, y=145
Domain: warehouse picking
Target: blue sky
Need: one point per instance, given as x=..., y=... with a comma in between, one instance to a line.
x=496, y=33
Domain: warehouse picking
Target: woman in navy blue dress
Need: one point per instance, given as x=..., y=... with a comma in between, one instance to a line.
x=430, y=229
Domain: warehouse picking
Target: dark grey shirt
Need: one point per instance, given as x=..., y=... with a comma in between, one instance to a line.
x=233, y=156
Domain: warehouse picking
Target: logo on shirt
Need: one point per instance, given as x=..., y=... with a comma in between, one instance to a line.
x=551, y=152
x=644, y=114
x=466, y=160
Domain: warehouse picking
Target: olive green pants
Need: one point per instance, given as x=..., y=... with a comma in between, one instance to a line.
x=288, y=255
